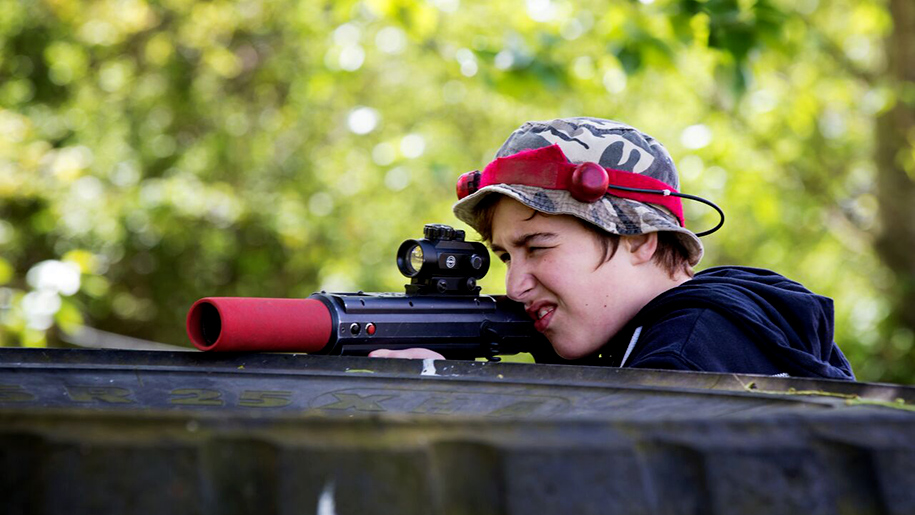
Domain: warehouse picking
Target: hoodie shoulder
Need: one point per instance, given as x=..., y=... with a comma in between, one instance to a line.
x=701, y=339
x=788, y=324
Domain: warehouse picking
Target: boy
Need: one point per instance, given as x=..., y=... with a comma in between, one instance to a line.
x=586, y=215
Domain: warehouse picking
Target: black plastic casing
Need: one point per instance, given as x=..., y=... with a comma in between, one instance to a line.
x=458, y=327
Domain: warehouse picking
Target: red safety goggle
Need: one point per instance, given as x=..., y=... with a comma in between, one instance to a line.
x=548, y=168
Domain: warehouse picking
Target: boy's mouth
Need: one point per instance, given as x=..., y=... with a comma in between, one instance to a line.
x=542, y=314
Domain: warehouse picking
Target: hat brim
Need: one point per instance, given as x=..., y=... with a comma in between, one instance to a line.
x=615, y=215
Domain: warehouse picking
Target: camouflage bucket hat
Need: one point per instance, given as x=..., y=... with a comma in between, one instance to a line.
x=613, y=146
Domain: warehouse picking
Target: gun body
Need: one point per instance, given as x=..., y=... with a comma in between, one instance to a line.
x=441, y=310
x=456, y=326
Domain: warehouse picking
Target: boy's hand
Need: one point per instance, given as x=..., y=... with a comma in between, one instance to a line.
x=414, y=353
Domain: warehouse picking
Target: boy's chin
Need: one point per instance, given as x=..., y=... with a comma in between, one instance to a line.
x=571, y=350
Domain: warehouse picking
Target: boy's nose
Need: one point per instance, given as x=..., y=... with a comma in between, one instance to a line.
x=518, y=283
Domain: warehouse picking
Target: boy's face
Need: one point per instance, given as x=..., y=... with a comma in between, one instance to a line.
x=556, y=269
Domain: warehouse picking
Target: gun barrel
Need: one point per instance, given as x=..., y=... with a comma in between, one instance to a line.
x=259, y=324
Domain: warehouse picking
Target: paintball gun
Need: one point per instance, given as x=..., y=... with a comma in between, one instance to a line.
x=442, y=310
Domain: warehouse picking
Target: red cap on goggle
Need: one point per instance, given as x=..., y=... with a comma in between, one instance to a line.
x=549, y=168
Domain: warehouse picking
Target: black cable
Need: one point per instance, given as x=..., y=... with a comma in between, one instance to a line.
x=667, y=193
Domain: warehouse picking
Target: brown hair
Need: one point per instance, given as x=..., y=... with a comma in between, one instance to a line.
x=485, y=209
x=671, y=254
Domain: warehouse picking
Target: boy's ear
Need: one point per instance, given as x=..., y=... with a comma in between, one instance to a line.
x=642, y=247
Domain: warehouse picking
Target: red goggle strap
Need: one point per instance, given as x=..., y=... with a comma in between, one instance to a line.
x=548, y=168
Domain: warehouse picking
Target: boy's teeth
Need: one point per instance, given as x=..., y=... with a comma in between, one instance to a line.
x=543, y=312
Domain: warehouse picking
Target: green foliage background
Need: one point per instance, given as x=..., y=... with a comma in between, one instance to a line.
x=173, y=150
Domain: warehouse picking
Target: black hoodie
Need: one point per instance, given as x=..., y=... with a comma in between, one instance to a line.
x=733, y=319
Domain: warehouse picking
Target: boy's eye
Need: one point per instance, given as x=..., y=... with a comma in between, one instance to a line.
x=533, y=250
x=504, y=257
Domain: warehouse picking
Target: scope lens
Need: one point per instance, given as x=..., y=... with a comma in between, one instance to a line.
x=416, y=258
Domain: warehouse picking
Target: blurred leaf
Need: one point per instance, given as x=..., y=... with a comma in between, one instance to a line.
x=6, y=271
